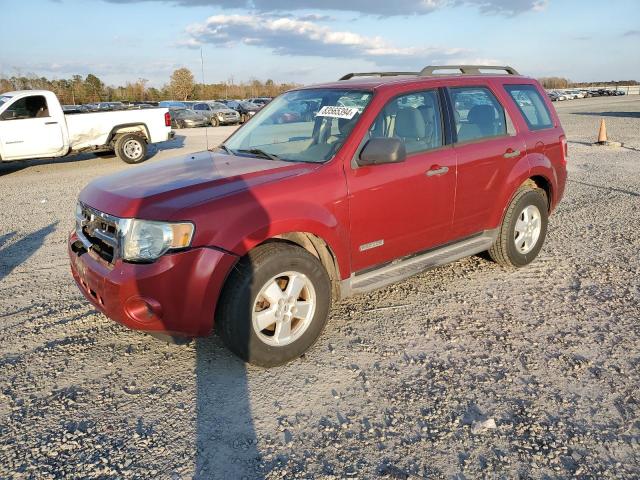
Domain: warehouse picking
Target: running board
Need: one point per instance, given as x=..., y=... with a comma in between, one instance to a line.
x=405, y=268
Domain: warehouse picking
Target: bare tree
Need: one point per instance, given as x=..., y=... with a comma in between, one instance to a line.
x=182, y=83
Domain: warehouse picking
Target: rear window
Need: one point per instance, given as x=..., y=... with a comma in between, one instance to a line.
x=531, y=105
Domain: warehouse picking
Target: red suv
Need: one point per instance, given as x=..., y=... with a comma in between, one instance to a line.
x=388, y=174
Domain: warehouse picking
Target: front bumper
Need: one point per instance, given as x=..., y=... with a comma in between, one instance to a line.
x=176, y=295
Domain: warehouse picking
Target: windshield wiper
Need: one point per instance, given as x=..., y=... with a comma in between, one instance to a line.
x=226, y=149
x=260, y=153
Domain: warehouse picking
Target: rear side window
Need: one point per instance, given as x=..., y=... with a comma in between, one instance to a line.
x=531, y=105
x=413, y=118
x=478, y=114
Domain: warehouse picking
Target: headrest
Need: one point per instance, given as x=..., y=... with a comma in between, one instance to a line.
x=482, y=114
x=410, y=123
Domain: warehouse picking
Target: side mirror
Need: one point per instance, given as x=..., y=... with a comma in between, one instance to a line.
x=382, y=150
x=8, y=115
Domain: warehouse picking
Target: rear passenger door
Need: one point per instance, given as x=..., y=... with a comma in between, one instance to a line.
x=486, y=146
x=401, y=208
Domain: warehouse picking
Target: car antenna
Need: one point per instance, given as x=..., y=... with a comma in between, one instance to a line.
x=206, y=129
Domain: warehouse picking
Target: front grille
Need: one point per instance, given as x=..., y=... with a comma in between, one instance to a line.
x=98, y=232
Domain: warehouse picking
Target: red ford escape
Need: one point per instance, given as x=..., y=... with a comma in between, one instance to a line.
x=329, y=191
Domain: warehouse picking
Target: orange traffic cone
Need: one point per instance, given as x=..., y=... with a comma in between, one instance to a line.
x=602, y=134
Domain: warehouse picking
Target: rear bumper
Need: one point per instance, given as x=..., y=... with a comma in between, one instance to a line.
x=176, y=295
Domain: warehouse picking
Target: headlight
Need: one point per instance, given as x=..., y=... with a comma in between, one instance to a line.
x=221, y=116
x=145, y=241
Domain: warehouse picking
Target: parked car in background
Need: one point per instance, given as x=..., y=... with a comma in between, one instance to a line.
x=259, y=101
x=245, y=109
x=74, y=108
x=187, y=118
x=568, y=95
x=34, y=125
x=217, y=113
x=171, y=104
x=107, y=106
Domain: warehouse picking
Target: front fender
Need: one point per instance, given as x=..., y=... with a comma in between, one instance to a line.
x=281, y=218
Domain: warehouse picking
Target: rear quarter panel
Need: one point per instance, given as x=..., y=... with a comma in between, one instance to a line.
x=545, y=154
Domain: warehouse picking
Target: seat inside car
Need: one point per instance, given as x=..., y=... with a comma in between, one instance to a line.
x=481, y=122
x=410, y=126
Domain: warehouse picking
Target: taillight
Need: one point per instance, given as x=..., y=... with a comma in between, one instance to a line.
x=167, y=119
x=565, y=148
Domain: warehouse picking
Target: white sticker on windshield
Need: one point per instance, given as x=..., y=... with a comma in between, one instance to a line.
x=337, y=112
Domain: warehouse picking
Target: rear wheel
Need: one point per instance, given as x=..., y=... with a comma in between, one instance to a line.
x=275, y=304
x=523, y=228
x=131, y=148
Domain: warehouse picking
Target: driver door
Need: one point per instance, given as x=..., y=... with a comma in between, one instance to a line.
x=398, y=209
x=28, y=131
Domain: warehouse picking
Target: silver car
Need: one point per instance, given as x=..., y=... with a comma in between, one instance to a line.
x=217, y=113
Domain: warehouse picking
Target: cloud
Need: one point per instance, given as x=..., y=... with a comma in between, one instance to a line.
x=68, y=68
x=292, y=36
x=631, y=33
x=366, y=7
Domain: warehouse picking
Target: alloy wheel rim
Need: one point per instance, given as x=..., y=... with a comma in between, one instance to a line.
x=132, y=149
x=527, y=229
x=284, y=308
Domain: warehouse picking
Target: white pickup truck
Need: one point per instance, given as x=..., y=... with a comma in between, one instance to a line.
x=33, y=125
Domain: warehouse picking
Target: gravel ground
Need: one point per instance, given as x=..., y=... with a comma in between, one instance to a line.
x=467, y=371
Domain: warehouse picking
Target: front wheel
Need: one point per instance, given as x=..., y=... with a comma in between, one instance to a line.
x=275, y=304
x=523, y=228
x=214, y=122
x=131, y=148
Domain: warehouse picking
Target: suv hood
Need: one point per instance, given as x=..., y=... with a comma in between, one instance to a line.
x=163, y=190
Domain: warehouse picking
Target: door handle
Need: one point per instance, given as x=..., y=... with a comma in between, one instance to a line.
x=50, y=123
x=437, y=170
x=511, y=153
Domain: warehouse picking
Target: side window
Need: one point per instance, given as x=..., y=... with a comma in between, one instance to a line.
x=414, y=118
x=198, y=106
x=34, y=106
x=478, y=114
x=531, y=105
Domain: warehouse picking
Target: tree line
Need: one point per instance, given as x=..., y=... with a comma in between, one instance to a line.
x=560, y=83
x=79, y=90
x=182, y=86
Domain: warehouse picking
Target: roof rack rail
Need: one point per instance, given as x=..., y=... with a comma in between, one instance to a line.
x=465, y=69
x=375, y=74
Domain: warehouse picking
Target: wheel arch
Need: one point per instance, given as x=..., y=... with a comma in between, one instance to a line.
x=317, y=247
x=544, y=184
x=124, y=128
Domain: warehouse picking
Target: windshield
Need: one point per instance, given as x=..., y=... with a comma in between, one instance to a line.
x=218, y=106
x=4, y=99
x=301, y=126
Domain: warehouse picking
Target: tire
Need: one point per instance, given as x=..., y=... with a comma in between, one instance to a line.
x=214, y=122
x=243, y=118
x=131, y=148
x=521, y=236
x=246, y=294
